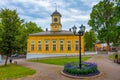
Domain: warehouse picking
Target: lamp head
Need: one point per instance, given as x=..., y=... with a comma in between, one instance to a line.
x=74, y=28
x=82, y=30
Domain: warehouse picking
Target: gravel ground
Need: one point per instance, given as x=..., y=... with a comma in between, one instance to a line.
x=109, y=69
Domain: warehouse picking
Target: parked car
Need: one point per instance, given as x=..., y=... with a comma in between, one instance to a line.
x=15, y=55
x=114, y=50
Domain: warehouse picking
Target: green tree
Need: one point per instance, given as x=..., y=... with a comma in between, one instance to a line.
x=1, y=31
x=90, y=39
x=10, y=22
x=117, y=15
x=31, y=27
x=14, y=33
x=103, y=21
x=26, y=29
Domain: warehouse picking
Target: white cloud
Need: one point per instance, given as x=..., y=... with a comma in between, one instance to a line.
x=39, y=11
x=44, y=23
x=47, y=4
x=72, y=10
x=74, y=15
x=81, y=17
x=26, y=18
x=90, y=3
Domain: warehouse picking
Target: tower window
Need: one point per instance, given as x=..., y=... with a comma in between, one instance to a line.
x=55, y=19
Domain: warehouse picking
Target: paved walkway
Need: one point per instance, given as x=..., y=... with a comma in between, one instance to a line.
x=110, y=70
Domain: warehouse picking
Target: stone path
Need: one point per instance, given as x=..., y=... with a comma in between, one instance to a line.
x=109, y=69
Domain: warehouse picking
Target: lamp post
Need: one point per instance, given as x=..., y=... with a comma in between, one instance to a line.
x=80, y=33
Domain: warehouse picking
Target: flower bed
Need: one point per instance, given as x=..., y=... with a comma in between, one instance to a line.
x=88, y=69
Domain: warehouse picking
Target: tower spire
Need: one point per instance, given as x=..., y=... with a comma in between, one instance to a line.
x=56, y=6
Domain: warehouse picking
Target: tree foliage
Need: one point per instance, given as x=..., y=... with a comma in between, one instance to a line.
x=90, y=39
x=31, y=27
x=10, y=22
x=1, y=31
x=104, y=20
x=26, y=29
x=14, y=33
x=117, y=7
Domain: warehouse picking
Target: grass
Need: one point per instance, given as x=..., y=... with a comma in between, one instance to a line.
x=12, y=71
x=60, y=60
x=113, y=56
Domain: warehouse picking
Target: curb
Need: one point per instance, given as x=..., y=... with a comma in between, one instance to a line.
x=76, y=77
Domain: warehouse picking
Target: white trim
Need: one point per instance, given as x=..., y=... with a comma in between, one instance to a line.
x=69, y=45
x=38, y=55
x=42, y=55
x=32, y=42
x=61, y=44
x=47, y=43
x=39, y=44
x=54, y=45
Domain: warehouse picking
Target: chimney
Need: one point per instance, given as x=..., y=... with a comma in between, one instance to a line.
x=70, y=29
x=46, y=29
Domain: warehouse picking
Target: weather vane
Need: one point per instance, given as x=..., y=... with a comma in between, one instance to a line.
x=56, y=6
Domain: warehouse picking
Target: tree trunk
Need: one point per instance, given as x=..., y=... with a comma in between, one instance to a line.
x=108, y=48
x=6, y=60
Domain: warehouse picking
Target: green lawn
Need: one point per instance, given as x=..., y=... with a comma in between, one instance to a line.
x=60, y=60
x=14, y=71
x=113, y=56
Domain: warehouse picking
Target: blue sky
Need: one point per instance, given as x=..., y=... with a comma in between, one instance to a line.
x=74, y=12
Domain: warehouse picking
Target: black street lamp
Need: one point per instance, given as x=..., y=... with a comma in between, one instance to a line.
x=80, y=33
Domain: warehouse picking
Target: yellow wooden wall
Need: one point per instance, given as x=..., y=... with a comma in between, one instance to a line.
x=98, y=45
x=57, y=38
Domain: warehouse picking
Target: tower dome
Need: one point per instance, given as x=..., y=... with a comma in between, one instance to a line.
x=56, y=13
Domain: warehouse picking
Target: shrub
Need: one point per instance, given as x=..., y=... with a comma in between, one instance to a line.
x=87, y=68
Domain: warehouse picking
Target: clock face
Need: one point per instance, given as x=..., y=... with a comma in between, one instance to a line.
x=55, y=19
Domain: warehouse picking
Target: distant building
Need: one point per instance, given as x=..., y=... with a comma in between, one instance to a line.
x=102, y=46
x=56, y=42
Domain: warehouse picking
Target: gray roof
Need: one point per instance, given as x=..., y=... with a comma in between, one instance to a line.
x=52, y=33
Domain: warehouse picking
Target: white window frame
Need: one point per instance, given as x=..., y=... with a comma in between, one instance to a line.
x=39, y=45
x=54, y=45
x=61, y=45
x=69, y=45
x=32, y=45
x=47, y=45
x=77, y=45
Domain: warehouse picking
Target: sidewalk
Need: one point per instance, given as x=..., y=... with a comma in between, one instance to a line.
x=109, y=69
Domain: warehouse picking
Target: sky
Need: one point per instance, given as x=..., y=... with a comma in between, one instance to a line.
x=74, y=12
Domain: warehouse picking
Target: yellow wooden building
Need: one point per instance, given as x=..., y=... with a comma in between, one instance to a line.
x=56, y=42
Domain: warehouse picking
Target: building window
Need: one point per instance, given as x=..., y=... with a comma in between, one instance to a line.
x=61, y=45
x=69, y=45
x=54, y=45
x=39, y=45
x=46, y=45
x=76, y=45
x=32, y=45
